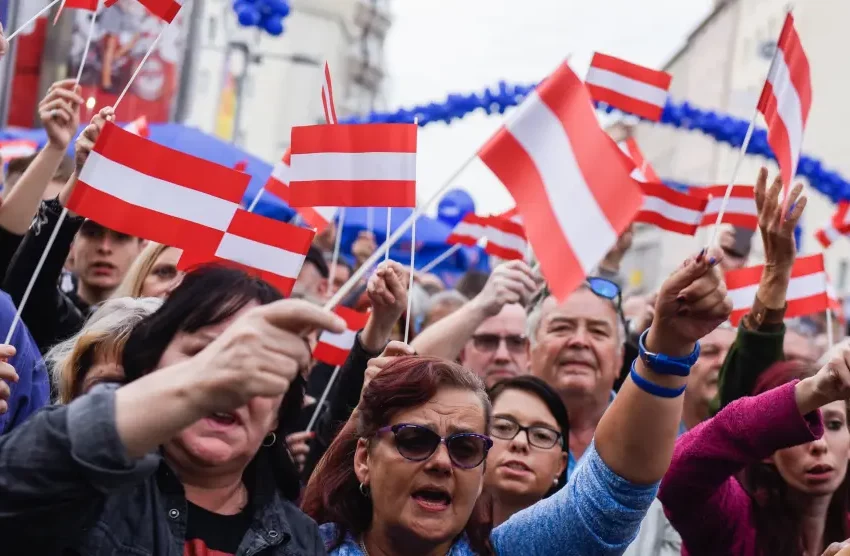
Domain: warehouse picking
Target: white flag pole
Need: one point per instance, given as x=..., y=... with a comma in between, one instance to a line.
x=410, y=282
x=443, y=256
x=370, y=219
x=256, y=199
x=389, y=224
x=830, y=336
x=33, y=18
x=322, y=399
x=86, y=49
x=337, y=243
x=139, y=67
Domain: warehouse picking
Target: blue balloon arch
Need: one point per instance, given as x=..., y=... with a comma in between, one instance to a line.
x=723, y=128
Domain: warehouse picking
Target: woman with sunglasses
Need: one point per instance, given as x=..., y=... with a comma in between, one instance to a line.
x=529, y=454
x=404, y=474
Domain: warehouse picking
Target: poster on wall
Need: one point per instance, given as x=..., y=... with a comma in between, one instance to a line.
x=123, y=33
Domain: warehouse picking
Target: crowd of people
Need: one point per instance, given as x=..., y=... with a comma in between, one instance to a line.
x=150, y=411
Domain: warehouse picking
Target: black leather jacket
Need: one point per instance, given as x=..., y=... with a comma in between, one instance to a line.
x=67, y=486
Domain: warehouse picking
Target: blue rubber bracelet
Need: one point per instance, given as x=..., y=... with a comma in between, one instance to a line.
x=654, y=389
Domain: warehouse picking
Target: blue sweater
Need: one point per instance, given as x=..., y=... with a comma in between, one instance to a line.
x=32, y=391
x=597, y=513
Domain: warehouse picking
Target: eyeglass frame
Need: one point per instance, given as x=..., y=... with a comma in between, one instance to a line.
x=488, y=442
x=559, y=439
x=501, y=338
x=617, y=299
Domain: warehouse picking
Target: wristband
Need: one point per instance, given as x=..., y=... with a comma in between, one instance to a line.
x=654, y=389
x=665, y=364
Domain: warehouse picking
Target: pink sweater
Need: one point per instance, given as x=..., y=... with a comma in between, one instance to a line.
x=701, y=496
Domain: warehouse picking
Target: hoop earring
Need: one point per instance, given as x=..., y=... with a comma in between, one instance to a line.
x=364, y=490
x=269, y=440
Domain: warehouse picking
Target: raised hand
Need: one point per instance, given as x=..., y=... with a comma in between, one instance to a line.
x=691, y=303
x=4, y=44
x=374, y=366
x=299, y=446
x=510, y=282
x=59, y=112
x=7, y=374
x=387, y=291
x=259, y=355
x=363, y=246
x=777, y=229
x=831, y=383
x=87, y=139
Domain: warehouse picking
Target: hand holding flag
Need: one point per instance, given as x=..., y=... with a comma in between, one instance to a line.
x=89, y=136
x=387, y=291
x=59, y=112
x=776, y=226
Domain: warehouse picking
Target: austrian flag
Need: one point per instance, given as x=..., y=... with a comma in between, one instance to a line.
x=807, y=291
x=278, y=185
x=670, y=210
x=333, y=348
x=353, y=165
x=741, y=210
x=166, y=10
x=469, y=231
x=628, y=87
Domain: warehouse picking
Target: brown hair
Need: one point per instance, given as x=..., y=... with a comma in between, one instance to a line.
x=131, y=285
x=333, y=492
x=18, y=166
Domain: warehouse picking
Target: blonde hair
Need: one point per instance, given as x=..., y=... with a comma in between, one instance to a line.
x=103, y=335
x=134, y=280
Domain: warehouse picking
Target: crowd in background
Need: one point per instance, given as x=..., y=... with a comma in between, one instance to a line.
x=150, y=411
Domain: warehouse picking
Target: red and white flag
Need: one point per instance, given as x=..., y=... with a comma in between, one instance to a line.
x=670, y=210
x=139, y=127
x=268, y=248
x=838, y=226
x=328, y=97
x=358, y=165
x=643, y=171
x=333, y=348
x=741, y=210
x=506, y=237
x=469, y=231
x=278, y=185
x=807, y=290
x=166, y=10
x=89, y=5
x=628, y=87
x=571, y=188
x=785, y=101
x=16, y=148
x=134, y=186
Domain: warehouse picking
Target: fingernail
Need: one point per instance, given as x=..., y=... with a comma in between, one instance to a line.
x=680, y=299
x=701, y=255
x=712, y=261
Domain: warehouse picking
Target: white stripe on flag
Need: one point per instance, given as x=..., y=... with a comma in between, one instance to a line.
x=798, y=288
x=582, y=222
x=626, y=86
x=344, y=340
x=831, y=234
x=155, y=194
x=671, y=211
x=353, y=166
x=281, y=173
x=506, y=240
x=260, y=255
x=788, y=106
x=469, y=230
x=737, y=205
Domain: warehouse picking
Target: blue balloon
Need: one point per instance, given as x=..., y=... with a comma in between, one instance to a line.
x=454, y=205
x=273, y=25
x=248, y=15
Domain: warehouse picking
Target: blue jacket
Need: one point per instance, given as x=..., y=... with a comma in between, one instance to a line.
x=598, y=513
x=32, y=390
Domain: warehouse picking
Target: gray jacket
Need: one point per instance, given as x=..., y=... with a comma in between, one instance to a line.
x=67, y=486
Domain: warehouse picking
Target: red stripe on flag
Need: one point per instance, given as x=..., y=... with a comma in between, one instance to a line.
x=675, y=198
x=278, y=189
x=354, y=320
x=294, y=239
x=331, y=355
x=505, y=253
x=777, y=133
x=360, y=193
x=615, y=192
x=808, y=265
x=90, y=5
x=807, y=305
x=121, y=216
x=169, y=165
x=354, y=138
x=626, y=103
x=506, y=225
x=646, y=75
x=454, y=239
x=313, y=218
x=798, y=65
x=164, y=9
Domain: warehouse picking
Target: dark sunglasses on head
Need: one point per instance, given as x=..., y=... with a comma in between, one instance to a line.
x=516, y=343
x=417, y=443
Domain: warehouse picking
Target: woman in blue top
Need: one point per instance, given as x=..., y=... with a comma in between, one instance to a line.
x=404, y=474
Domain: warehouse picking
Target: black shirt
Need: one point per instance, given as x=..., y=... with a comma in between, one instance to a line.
x=212, y=534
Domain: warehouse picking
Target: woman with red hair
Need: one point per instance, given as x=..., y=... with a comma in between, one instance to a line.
x=791, y=498
x=404, y=474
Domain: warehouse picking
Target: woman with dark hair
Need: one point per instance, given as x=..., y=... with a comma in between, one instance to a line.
x=524, y=468
x=792, y=495
x=188, y=457
x=404, y=474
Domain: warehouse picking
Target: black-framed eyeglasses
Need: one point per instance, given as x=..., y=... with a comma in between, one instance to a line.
x=538, y=435
x=516, y=343
x=417, y=443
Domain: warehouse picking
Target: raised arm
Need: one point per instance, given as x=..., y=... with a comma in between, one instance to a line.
x=60, y=114
x=701, y=480
x=758, y=344
x=511, y=282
